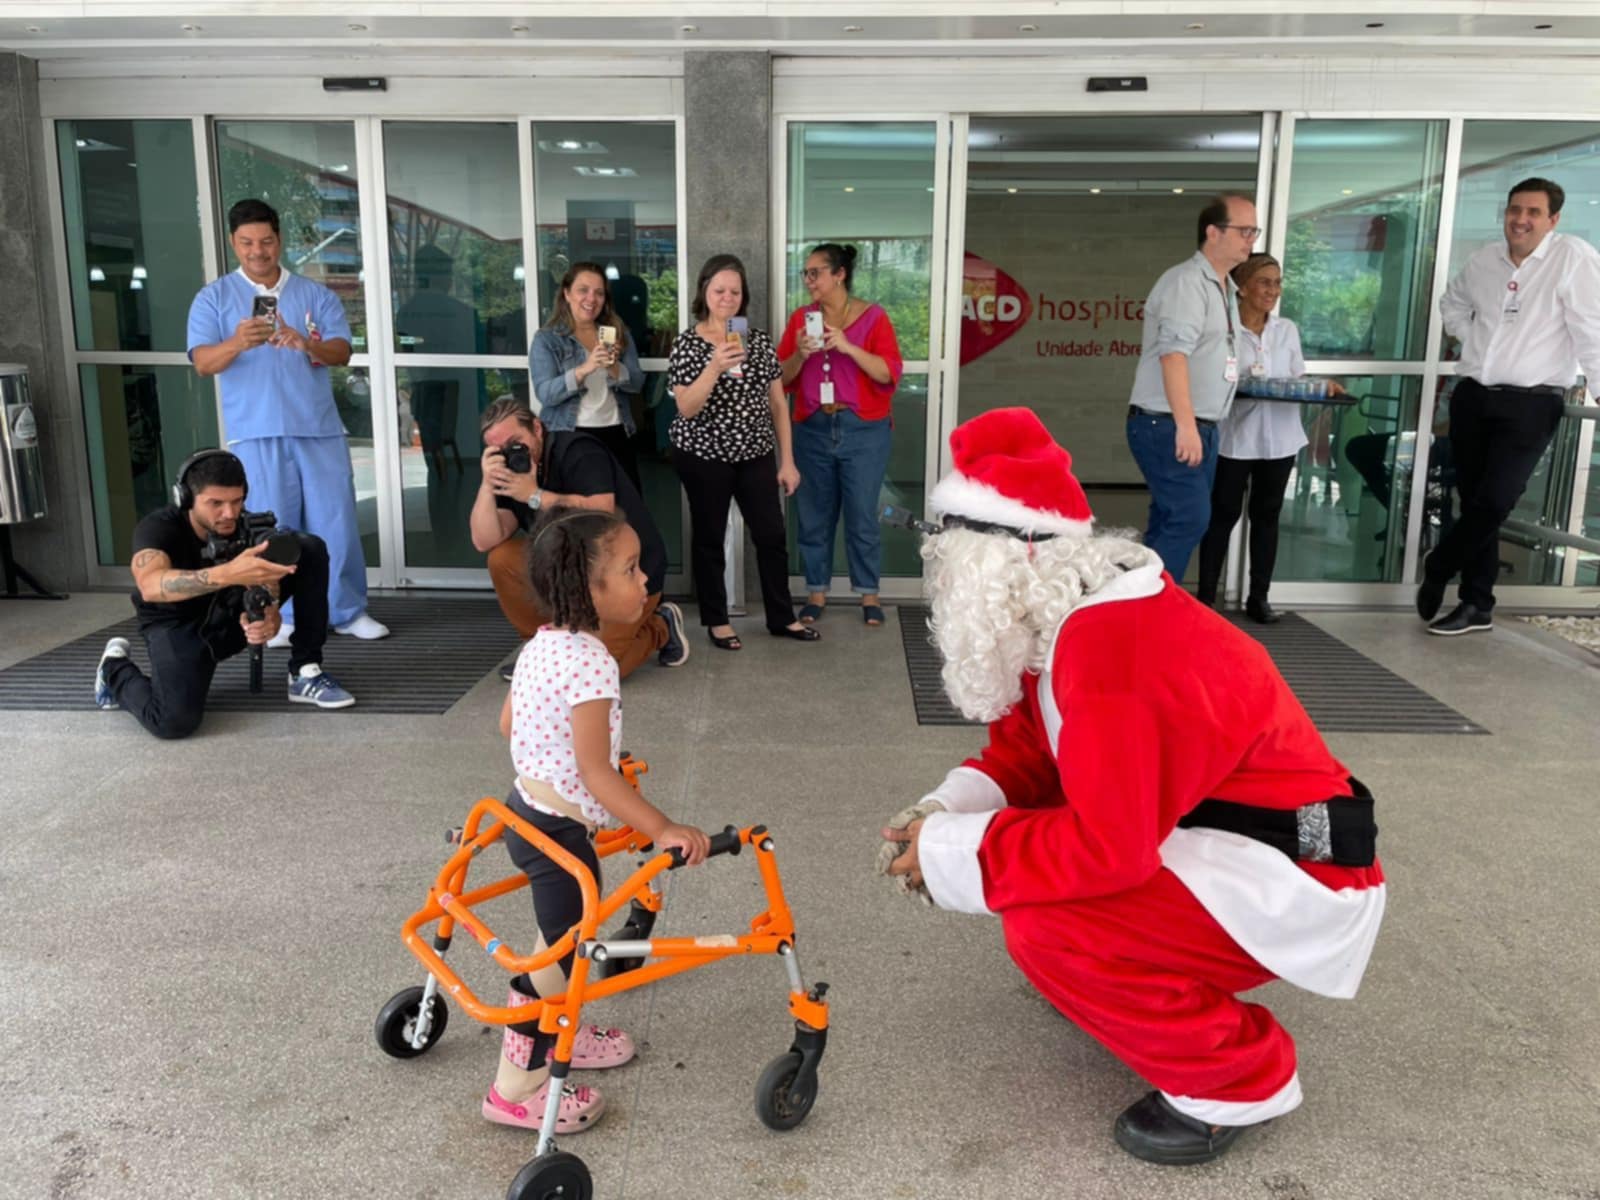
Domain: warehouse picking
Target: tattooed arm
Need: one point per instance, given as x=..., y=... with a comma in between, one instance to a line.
x=159, y=583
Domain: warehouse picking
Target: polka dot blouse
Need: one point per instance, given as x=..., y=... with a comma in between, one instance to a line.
x=557, y=671
x=735, y=425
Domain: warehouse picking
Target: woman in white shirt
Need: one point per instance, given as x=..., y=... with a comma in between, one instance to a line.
x=1259, y=439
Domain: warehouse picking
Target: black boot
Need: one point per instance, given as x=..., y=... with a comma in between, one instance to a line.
x=1153, y=1130
x=1262, y=613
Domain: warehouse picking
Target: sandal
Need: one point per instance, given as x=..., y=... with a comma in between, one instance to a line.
x=872, y=614
x=804, y=634
x=811, y=613
x=731, y=642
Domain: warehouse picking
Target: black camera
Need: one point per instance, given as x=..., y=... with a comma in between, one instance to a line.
x=519, y=458
x=253, y=528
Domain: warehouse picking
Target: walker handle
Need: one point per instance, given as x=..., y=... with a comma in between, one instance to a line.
x=726, y=842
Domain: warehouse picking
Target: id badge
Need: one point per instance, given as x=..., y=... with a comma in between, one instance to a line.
x=1230, y=371
x=827, y=394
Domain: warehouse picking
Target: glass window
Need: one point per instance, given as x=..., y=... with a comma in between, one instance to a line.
x=606, y=192
x=1363, y=220
x=307, y=171
x=130, y=207
x=867, y=184
x=1344, y=512
x=142, y=422
x=455, y=237
x=352, y=396
x=1497, y=154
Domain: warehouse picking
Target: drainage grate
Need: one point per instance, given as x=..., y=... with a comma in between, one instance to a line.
x=438, y=650
x=1342, y=689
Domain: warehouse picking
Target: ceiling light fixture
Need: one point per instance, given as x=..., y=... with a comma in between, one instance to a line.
x=96, y=275
x=1177, y=191
x=1094, y=191
x=1012, y=191
x=853, y=28
x=1347, y=191
x=136, y=285
x=140, y=273
x=849, y=189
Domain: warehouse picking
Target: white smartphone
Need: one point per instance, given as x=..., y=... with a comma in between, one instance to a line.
x=607, y=334
x=738, y=333
x=814, y=325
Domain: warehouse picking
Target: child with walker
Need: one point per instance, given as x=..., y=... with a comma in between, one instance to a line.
x=563, y=718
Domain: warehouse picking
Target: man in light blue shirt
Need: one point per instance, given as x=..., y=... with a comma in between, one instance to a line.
x=269, y=337
x=1184, y=384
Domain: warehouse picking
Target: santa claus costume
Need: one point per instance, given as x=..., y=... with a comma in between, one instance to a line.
x=1155, y=819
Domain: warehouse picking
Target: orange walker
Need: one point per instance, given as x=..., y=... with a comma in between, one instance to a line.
x=413, y=1020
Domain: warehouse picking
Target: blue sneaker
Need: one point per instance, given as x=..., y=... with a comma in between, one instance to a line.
x=676, y=652
x=115, y=648
x=315, y=686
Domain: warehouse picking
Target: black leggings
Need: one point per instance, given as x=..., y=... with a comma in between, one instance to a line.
x=1267, y=478
x=711, y=486
x=557, y=899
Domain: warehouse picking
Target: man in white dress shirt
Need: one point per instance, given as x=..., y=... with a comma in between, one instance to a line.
x=1528, y=316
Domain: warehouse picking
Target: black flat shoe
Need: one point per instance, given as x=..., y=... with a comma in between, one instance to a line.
x=1463, y=618
x=1261, y=612
x=1153, y=1130
x=804, y=634
x=1430, y=595
x=731, y=642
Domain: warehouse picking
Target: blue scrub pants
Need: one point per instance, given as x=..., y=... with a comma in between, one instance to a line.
x=309, y=485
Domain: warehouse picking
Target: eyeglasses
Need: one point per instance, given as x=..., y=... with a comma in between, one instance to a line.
x=812, y=274
x=1249, y=232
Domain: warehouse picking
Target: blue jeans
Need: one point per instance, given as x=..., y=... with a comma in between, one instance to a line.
x=1180, y=495
x=842, y=460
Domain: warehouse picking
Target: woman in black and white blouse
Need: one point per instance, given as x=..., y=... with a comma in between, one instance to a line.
x=731, y=441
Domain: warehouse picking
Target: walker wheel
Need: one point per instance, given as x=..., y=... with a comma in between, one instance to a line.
x=773, y=1103
x=558, y=1176
x=397, y=1021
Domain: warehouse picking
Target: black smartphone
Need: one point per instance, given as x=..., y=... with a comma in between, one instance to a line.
x=265, y=306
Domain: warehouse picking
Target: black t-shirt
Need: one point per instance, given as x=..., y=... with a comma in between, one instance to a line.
x=169, y=531
x=578, y=464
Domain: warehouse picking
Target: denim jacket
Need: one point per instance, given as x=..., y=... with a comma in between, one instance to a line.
x=552, y=360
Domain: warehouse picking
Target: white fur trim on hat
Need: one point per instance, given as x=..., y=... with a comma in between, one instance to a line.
x=958, y=495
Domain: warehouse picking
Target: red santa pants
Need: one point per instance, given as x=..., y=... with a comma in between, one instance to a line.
x=1151, y=976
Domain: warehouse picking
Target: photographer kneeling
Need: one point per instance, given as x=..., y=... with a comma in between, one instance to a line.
x=527, y=467
x=195, y=569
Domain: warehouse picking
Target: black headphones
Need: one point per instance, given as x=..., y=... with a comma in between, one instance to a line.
x=182, y=494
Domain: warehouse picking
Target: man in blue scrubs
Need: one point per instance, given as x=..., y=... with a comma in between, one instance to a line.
x=278, y=413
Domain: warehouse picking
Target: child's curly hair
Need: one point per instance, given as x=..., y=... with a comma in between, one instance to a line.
x=566, y=542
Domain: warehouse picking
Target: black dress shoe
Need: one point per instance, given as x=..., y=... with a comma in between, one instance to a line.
x=1262, y=613
x=1153, y=1130
x=1430, y=595
x=804, y=634
x=1463, y=618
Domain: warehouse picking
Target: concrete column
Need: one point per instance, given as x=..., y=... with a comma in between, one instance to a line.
x=30, y=331
x=728, y=152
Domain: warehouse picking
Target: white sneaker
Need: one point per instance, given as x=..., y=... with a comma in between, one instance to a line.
x=364, y=627
x=280, y=640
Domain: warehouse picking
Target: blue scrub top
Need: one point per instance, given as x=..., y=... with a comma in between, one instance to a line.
x=271, y=391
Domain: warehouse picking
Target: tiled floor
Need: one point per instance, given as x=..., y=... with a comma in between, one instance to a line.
x=199, y=935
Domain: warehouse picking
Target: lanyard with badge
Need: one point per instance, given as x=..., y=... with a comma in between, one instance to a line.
x=1513, y=304
x=1230, y=370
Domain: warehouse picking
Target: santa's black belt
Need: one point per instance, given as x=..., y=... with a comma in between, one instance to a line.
x=1340, y=830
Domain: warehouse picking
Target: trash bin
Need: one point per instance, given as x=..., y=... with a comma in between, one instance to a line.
x=21, y=476
x=21, y=471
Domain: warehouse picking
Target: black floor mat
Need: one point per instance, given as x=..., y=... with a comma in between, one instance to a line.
x=1342, y=689
x=438, y=649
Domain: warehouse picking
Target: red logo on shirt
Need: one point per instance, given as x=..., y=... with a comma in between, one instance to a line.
x=993, y=307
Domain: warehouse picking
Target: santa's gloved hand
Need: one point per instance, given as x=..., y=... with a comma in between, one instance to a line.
x=892, y=847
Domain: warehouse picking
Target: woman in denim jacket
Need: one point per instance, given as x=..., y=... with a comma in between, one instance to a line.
x=579, y=380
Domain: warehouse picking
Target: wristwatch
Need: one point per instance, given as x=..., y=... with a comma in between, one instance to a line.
x=533, y=501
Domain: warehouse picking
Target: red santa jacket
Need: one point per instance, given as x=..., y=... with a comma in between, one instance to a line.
x=1151, y=704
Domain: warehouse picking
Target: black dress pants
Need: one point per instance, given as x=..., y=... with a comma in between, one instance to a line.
x=620, y=444
x=171, y=701
x=1266, y=479
x=1497, y=436
x=710, y=486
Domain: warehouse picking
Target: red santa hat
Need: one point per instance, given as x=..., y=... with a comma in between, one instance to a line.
x=1008, y=471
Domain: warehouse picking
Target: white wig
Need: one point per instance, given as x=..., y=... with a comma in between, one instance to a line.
x=998, y=600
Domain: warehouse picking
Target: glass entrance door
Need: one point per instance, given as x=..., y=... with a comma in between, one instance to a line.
x=1068, y=222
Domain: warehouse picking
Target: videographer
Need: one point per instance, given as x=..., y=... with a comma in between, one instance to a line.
x=194, y=574
x=526, y=468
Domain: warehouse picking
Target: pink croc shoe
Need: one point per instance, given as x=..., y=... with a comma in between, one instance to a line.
x=580, y=1108
x=595, y=1049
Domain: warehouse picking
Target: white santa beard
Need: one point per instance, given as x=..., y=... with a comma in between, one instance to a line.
x=997, y=602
